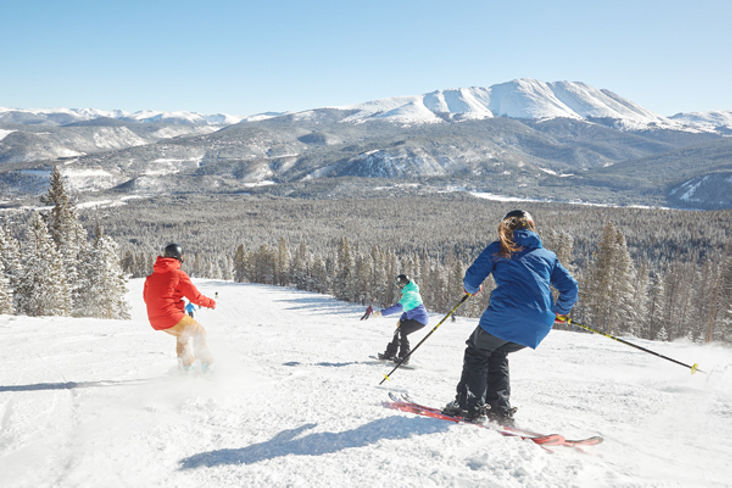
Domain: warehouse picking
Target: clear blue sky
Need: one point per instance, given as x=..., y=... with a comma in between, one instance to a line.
x=245, y=57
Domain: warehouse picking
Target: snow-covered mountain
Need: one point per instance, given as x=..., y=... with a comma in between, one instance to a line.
x=712, y=121
x=294, y=400
x=63, y=116
x=519, y=99
x=527, y=135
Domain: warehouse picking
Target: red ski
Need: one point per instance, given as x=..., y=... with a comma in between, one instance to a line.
x=407, y=405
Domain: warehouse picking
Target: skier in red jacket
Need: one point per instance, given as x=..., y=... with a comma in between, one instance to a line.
x=163, y=294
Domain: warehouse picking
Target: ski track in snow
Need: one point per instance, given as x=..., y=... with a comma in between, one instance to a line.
x=294, y=401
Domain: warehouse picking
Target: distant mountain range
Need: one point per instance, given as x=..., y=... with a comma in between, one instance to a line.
x=561, y=141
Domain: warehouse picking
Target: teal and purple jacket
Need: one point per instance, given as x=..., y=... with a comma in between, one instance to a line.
x=410, y=304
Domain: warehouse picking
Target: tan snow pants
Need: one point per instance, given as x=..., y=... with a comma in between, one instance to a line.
x=185, y=331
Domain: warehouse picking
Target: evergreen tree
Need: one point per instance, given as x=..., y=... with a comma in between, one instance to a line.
x=111, y=283
x=319, y=276
x=282, y=263
x=662, y=334
x=240, y=264
x=362, y=279
x=128, y=262
x=263, y=265
x=342, y=285
x=455, y=281
x=640, y=303
x=104, y=281
x=42, y=287
x=656, y=300
x=623, y=287
x=299, y=267
x=608, y=293
x=379, y=280
x=227, y=268
x=6, y=293
x=10, y=261
x=67, y=234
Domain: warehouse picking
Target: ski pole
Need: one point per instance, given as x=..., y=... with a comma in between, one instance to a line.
x=694, y=367
x=462, y=300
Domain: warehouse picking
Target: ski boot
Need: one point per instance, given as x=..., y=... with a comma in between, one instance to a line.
x=502, y=417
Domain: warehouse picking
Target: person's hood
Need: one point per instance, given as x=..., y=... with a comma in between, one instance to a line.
x=163, y=264
x=526, y=239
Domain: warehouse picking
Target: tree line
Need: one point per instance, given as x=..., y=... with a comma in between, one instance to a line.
x=617, y=294
x=653, y=273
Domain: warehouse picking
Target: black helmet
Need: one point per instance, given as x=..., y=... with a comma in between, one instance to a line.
x=401, y=280
x=174, y=251
x=518, y=214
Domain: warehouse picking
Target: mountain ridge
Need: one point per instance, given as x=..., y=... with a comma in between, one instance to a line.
x=557, y=133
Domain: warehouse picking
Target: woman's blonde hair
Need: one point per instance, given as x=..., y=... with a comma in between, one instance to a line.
x=513, y=220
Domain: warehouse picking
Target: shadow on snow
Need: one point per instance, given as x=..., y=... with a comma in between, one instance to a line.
x=329, y=364
x=70, y=385
x=285, y=443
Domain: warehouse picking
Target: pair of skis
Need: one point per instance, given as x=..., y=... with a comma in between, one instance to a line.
x=405, y=404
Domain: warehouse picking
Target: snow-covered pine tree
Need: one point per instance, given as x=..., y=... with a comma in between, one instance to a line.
x=662, y=334
x=455, y=281
x=596, y=289
x=299, y=266
x=143, y=264
x=282, y=263
x=379, y=280
x=111, y=285
x=343, y=282
x=640, y=302
x=362, y=279
x=656, y=299
x=227, y=268
x=624, y=280
x=10, y=260
x=319, y=277
x=263, y=265
x=41, y=287
x=241, y=261
x=128, y=262
x=6, y=293
x=67, y=233
x=105, y=285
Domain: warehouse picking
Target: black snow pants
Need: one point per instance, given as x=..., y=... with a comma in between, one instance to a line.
x=485, y=378
x=400, y=341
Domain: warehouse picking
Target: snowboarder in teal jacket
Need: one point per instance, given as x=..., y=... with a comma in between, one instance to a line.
x=414, y=317
x=521, y=313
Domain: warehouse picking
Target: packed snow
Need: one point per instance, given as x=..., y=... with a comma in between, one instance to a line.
x=294, y=400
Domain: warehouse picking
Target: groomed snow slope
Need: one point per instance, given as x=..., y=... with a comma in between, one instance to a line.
x=294, y=401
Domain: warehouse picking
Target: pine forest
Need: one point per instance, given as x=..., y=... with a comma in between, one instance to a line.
x=651, y=273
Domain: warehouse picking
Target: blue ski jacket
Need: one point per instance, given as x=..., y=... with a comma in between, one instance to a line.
x=521, y=308
x=411, y=304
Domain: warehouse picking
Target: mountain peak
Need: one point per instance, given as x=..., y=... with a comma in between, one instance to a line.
x=521, y=98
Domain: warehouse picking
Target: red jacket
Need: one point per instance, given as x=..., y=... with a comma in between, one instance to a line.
x=164, y=290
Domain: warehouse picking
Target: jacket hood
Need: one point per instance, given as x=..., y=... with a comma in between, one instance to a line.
x=527, y=239
x=163, y=265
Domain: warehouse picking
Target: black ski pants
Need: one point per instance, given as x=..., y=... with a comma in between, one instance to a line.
x=400, y=341
x=485, y=378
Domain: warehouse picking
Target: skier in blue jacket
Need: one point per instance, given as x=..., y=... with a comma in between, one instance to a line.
x=414, y=317
x=521, y=313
